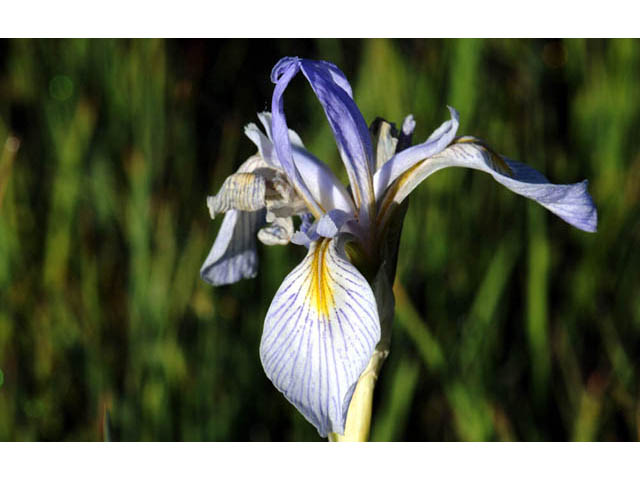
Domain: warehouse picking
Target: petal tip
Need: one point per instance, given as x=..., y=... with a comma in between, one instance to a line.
x=250, y=130
x=280, y=67
x=589, y=221
x=408, y=125
x=211, y=206
x=454, y=114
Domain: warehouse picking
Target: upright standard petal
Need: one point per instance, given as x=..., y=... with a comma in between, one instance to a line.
x=349, y=129
x=336, y=75
x=570, y=202
x=319, y=334
x=233, y=255
x=409, y=157
x=348, y=125
x=281, y=75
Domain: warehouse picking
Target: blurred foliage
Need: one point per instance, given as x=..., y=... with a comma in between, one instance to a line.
x=510, y=325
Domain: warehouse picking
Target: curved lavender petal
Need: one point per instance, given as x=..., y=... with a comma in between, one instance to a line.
x=281, y=75
x=570, y=202
x=336, y=74
x=319, y=334
x=406, y=159
x=233, y=255
x=348, y=125
x=349, y=128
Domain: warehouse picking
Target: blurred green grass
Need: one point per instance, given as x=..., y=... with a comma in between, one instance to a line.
x=510, y=324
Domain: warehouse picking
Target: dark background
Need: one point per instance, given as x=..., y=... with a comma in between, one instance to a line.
x=510, y=325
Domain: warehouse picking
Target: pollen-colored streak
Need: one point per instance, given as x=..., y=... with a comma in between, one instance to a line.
x=500, y=165
x=320, y=291
x=390, y=194
x=497, y=162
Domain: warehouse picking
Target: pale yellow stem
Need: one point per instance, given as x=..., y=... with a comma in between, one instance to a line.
x=358, y=421
x=359, y=414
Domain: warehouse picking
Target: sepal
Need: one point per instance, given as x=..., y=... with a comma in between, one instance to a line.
x=319, y=334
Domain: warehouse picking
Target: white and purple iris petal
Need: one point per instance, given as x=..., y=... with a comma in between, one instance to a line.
x=570, y=202
x=233, y=255
x=319, y=334
x=406, y=159
x=348, y=125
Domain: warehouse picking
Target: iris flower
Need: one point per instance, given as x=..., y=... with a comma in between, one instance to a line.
x=330, y=317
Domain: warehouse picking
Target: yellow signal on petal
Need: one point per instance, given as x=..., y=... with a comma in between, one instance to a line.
x=320, y=291
x=496, y=160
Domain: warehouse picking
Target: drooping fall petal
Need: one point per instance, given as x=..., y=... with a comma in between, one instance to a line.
x=233, y=255
x=319, y=334
x=570, y=202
